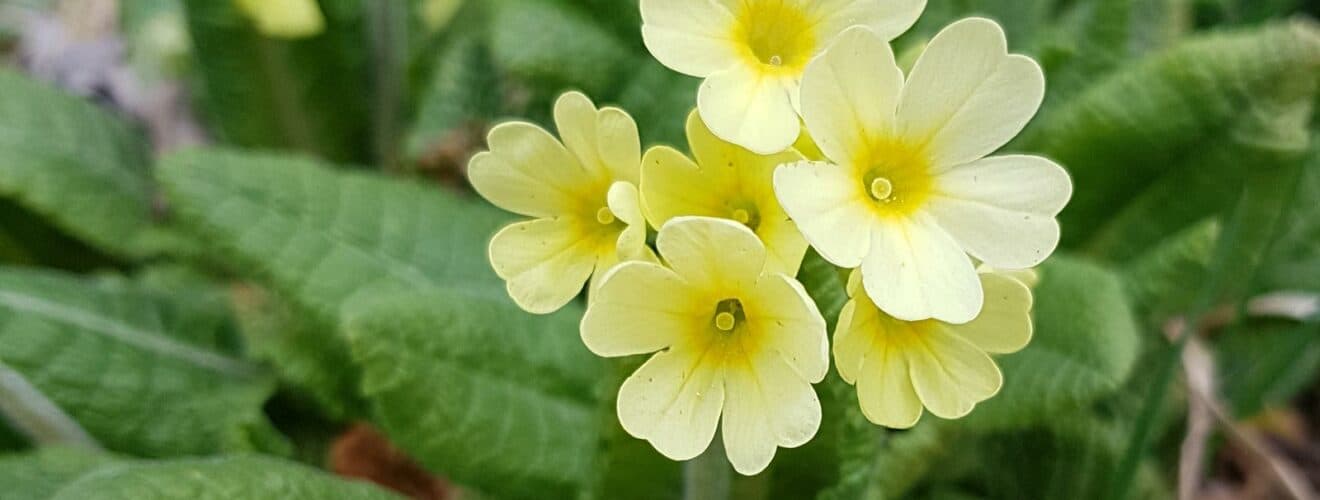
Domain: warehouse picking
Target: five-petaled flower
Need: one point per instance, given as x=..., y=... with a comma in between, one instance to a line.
x=726, y=181
x=752, y=54
x=908, y=192
x=582, y=193
x=900, y=366
x=732, y=340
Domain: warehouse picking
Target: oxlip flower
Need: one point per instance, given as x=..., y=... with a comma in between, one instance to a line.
x=284, y=18
x=908, y=191
x=751, y=54
x=581, y=193
x=732, y=342
x=725, y=181
x=899, y=367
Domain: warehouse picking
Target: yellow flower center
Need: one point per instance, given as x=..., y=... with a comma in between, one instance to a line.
x=746, y=214
x=897, y=177
x=728, y=315
x=605, y=216
x=775, y=34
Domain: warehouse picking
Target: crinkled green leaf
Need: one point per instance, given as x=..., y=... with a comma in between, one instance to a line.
x=319, y=238
x=139, y=370
x=482, y=392
x=1165, y=142
x=221, y=478
x=39, y=474
x=72, y=164
x=1082, y=348
x=307, y=94
x=304, y=352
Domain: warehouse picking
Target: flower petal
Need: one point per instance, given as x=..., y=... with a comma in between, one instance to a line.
x=950, y=374
x=784, y=316
x=916, y=271
x=545, y=261
x=852, y=340
x=689, y=36
x=575, y=118
x=619, y=145
x=528, y=172
x=1004, y=325
x=1001, y=209
x=849, y=94
x=673, y=401
x=785, y=247
x=884, y=386
x=674, y=186
x=717, y=255
x=640, y=307
x=887, y=18
x=750, y=108
x=966, y=96
x=828, y=205
x=766, y=406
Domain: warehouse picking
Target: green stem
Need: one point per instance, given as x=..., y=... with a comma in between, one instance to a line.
x=708, y=477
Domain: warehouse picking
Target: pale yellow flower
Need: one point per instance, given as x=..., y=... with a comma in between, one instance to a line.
x=725, y=181
x=284, y=18
x=582, y=194
x=752, y=54
x=909, y=192
x=730, y=339
x=900, y=366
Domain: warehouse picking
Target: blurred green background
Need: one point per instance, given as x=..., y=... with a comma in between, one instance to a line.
x=235, y=265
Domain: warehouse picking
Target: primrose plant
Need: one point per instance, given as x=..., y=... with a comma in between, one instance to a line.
x=939, y=237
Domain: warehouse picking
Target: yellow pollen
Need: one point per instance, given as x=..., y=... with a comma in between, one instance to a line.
x=724, y=321
x=604, y=216
x=881, y=189
x=741, y=216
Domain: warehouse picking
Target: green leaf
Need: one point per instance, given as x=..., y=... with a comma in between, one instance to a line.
x=38, y=475
x=1184, y=127
x=482, y=392
x=140, y=370
x=1165, y=280
x=464, y=87
x=556, y=46
x=1083, y=347
x=76, y=166
x=1293, y=262
x=320, y=237
x=1262, y=364
x=220, y=478
x=660, y=99
x=304, y=353
x=304, y=94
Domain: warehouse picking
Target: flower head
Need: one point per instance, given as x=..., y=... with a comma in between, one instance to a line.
x=284, y=18
x=908, y=192
x=725, y=181
x=752, y=54
x=900, y=366
x=732, y=340
x=582, y=194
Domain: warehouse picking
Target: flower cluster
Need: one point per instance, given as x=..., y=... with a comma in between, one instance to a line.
x=891, y=178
